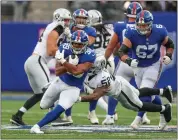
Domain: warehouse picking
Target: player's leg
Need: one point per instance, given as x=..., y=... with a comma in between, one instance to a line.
x=130, y=100
x=68, y=116
x=67, y=98
x=150, y=77
x=125, y=71
x=38, y=76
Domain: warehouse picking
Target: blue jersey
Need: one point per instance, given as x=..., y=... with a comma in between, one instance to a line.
x=87, y=56
x=120, y=28
x=146, y=49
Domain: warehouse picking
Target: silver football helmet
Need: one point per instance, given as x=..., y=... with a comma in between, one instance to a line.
x=95, y=17
x=62, y=16
x=99, y=64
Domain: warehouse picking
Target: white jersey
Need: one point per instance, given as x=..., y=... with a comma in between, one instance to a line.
x=41, y=46
x=102, y=40
x=104, y=78
x=118, y=85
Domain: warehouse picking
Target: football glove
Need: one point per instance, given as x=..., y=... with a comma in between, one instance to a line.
x=167, y=59
x=60, y=56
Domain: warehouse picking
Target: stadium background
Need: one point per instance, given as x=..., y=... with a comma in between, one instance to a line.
x=22, y=23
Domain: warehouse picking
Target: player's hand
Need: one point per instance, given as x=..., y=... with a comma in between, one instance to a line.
x=60, y=56
x=87, y=89
x=167, y=59
x=134, y=63
x=67, y=32
x=73, y=59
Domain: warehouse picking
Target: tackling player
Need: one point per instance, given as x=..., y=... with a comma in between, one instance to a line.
x=67, y=87
x=36, y=65
x=145, y=41
x=104, y=83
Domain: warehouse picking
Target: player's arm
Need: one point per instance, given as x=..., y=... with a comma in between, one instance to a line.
x=91, y=40
x=78, y=69
x=116, y=49
x=124, y=49
x=111, y=46
x=52, y=40
x=169, y=44
x=97, y=93
x=59, y=70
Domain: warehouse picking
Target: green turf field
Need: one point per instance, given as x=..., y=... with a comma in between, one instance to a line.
x=80, y=111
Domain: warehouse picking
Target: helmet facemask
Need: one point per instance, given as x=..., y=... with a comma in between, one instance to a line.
x=81, y=22
x=78, y=47
x=143, y=28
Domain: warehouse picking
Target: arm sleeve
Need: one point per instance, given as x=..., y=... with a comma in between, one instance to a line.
x=59, y=29
x=128, y=34
x=164, y=32
x=92, y=32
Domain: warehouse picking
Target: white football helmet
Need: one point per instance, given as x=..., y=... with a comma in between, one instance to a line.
x=63, y=16
x=95, y=17
x=99, y=64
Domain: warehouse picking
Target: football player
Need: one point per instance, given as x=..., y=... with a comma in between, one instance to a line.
x=72, y=75
x=104, y=83
x=36, y=65
x=145, y=41
x=81, y=20
x=122, y=69
x=103, y=35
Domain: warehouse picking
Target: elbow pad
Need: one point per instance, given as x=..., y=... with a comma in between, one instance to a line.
x=169, y=44
x=123, y=50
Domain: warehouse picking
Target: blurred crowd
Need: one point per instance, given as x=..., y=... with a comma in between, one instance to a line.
x=111, y=10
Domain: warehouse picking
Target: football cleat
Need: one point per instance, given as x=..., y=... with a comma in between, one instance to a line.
x=36, y=129
x=68, y=118
x=167, y=112
x=162, y=122
x=109, y=120
x=61, y=122
x=93, y=117
x=17, y=120
x=145, y=119
x=136, y=123
x=115, y=116
x=167, y=92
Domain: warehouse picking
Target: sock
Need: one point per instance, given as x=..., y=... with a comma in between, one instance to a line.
x=93, y=105
x=161, y=91
x=144, y=99
x=157, y=100
x=148, y=91
x=51, y=116
x=23, y=109
x=112, y=103
x=163, y=108
x=101, y=103
x=68, y=111
x=29, y=103
x=150, y=107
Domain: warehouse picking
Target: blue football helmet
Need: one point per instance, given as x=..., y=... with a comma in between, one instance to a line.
x=81, y=18
x=79, y=41
x=144, y=22
x=133, y=9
